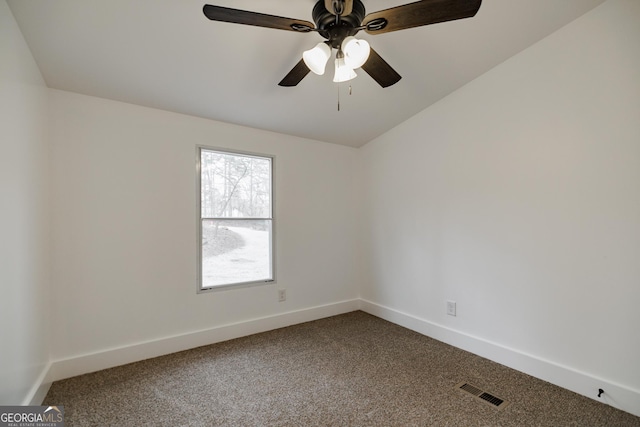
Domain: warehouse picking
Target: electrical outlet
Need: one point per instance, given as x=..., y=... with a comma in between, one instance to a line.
x=282, y=295
x=451, y=308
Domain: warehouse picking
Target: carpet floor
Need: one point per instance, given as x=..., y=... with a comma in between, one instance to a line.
x=349, y=370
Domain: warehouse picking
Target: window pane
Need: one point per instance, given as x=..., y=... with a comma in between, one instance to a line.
x=235, y=186
x=235, y=251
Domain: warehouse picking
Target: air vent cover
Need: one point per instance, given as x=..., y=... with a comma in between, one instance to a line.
x=482, y=395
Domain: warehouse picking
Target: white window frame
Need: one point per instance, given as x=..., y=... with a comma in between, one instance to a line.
x=272, y=280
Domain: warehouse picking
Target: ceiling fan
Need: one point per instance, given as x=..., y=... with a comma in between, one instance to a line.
x=338, y=21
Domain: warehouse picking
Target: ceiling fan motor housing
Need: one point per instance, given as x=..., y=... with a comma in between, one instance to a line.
x=335, y=29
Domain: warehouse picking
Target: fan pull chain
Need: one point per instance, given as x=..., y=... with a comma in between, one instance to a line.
x=350, y=92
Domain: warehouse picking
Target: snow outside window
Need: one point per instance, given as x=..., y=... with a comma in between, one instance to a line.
x=236, y=219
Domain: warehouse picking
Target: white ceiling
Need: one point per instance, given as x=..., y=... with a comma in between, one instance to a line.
x=166, y=54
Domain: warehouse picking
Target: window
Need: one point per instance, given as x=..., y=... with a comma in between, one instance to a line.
x=236, y=219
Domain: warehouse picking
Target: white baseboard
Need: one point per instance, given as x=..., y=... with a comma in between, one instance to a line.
x=616, y=395
x=86, y=363
x=40, y=388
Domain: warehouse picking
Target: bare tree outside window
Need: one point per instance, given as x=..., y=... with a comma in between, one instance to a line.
x=236, y=218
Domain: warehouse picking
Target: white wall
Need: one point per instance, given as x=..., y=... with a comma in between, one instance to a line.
x=124, y=226
x=24, y=225
x=518, y=196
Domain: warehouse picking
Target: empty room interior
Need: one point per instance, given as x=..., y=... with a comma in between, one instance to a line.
x=481, y=192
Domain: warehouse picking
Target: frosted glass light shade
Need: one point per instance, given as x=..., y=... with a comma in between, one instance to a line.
x=343, y=72
x=356, y=52
x=316, y=58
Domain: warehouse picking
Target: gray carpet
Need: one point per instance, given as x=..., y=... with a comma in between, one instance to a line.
x=348, y=370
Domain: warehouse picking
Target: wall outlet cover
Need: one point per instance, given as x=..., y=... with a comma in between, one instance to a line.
x=451, y=308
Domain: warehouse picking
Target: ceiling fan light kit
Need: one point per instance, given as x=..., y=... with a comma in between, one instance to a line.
x=343, y=73
x=356, y=52
x=352, y=54
x=316, y=58
x=338, y=21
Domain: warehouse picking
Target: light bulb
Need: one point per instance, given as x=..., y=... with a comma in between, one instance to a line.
x=316, y=58
x=343, y=71
x=356, y=52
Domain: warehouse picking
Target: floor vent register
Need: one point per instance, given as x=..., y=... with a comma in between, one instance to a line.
x=482, y=395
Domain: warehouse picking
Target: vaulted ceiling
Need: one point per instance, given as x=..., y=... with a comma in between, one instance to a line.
x=166, y=54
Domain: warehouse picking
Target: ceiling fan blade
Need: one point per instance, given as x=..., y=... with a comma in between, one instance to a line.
x=420, y=13
x=380, y=71
x=237, y=16
x=296, y=75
